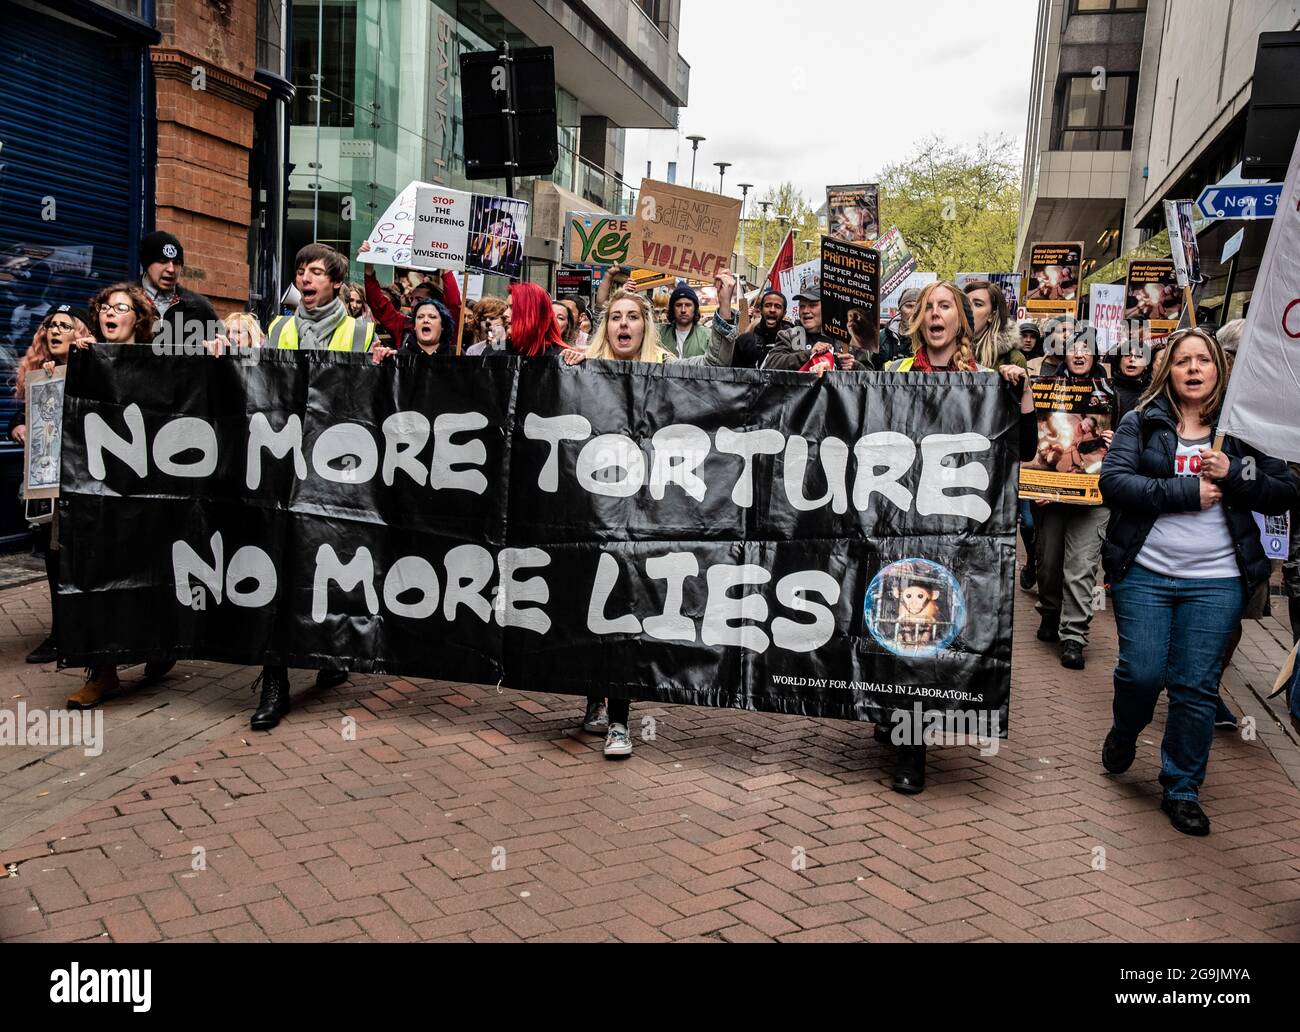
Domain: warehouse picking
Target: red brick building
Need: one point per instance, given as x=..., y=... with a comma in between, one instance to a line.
x=126, y=116
x=206, y=97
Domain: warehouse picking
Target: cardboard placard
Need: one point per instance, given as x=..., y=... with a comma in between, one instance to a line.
x=43, y=446
x=1071, y=418
x=1054, y=279
x=850, y=293
x=595, y=238
x=683, y=232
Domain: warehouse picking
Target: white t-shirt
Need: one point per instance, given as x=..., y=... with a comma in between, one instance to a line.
x=681, y=338
x=1191, y=545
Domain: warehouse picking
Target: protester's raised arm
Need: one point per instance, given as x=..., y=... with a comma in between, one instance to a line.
x=392, y=320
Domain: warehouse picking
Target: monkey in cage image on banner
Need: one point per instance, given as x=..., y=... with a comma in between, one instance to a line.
x=915, y=607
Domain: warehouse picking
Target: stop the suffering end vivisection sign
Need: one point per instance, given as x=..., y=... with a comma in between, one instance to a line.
x=839, y=547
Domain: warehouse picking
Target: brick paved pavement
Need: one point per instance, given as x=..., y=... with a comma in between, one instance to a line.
x=391, y=836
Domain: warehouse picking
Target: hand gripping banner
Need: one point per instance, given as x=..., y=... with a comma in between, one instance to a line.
x=836, y=547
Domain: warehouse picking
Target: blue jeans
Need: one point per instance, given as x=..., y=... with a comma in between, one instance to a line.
x=1172, y=634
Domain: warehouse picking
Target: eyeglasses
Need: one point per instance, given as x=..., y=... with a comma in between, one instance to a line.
x=121, y=306
x=62, y=327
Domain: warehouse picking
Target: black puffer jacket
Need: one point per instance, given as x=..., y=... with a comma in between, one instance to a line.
x=1139, y=486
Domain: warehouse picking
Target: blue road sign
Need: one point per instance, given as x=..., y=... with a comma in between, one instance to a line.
x=1243, y=201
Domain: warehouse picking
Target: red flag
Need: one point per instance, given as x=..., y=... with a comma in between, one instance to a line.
x=784, y=260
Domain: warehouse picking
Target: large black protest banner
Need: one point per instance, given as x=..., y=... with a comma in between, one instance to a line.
x=741, y=538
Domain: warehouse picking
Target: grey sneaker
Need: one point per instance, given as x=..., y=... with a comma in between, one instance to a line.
x=596, y=722
x=618, y=742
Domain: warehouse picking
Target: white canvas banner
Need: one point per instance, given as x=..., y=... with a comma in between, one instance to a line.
x=1264, y=391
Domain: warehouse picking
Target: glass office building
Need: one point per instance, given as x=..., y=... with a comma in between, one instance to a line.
x=378, y=101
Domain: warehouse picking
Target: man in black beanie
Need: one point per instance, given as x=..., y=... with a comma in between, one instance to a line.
x=683, y=336
x=184, y=317
x=752, y=347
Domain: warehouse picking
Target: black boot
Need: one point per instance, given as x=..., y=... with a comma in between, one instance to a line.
x=45, y=652
x=909, y=769
x=156, y=670
x=327, y=679
x=274, y=703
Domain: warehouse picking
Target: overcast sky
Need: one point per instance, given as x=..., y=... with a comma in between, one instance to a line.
x=829, y=91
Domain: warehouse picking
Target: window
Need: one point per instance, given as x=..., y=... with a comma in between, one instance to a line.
x=338, y=63
x=1106, y=6
x=272, y=19
x=1095, y=118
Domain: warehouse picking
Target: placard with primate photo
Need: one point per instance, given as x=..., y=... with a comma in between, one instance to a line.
x=1074, y=423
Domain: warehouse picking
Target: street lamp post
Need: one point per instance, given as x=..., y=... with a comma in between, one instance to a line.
x=696, y=140
x=722, y=167
x=762, y=239
x=744, y=194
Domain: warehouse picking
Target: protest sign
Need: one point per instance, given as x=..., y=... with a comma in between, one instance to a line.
x=850, y=293
x=497, y=227
x=853, y=212
x=1274, y=534
x=441, y=234
x=896, y=260
x=432, y=227
x=492, y=521
x=917, y=280
x=1260, y=406
x=683, y=232
x=1011, y=284
x=797, y=279
x=1071, y=418
x=574, y=283
x=1106, y=315
x=390, y=240
x=1152, y=297
x=595, y=238
x=43, y=445
x=1054, y=278
x=1183, y=249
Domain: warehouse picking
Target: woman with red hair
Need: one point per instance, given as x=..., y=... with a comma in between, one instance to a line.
x=533, y=327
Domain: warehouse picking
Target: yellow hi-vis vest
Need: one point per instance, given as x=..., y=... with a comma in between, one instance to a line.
x=350, y=334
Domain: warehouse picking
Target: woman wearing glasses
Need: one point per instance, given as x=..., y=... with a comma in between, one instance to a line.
x=1182, y=554
x=51, y=345
x=122, y=314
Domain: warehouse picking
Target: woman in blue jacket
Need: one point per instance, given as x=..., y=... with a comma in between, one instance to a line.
x=1182, y=554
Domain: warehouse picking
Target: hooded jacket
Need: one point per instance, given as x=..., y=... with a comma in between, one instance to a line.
x=697, y=341
x=753, y=345
x=1139, y=486
x=1128, y=389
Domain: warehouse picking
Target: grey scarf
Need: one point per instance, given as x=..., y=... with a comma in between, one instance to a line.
x=317, y=325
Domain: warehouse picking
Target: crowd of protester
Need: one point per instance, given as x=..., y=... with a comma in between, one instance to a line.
x=1181, y=553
